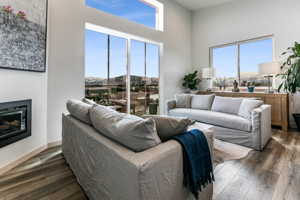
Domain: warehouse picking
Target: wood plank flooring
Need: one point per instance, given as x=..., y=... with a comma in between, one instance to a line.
x=44, y=177
x=273, y=174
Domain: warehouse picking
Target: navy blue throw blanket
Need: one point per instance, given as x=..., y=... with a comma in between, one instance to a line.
x=197, y=163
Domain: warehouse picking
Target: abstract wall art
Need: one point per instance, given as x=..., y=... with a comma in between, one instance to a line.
x=23, y=35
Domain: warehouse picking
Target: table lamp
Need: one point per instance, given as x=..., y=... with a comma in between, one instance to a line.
x=269, y=70
x=208, y=74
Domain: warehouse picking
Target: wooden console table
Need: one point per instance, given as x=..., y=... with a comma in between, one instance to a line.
x=278, y=101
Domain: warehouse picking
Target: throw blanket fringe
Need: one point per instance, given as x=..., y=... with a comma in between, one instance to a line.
x=197, y=163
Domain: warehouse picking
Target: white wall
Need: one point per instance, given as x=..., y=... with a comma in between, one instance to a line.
x=66, y=56
x=20, y=85
x=241, y=20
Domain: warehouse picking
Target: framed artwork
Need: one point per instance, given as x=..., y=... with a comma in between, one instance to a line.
x=23, y=34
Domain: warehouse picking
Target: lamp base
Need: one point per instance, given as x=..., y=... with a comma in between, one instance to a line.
x=269, y=91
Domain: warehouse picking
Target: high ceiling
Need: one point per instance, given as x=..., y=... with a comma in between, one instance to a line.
x=197, y=4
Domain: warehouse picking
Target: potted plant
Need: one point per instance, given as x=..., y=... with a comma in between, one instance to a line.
x=291, y=78
x=191, y=81
x=250, y=86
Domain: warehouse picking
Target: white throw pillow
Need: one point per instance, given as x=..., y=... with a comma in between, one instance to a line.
x=183, y=100
x=247, y=106
x=135, y=133
x=227, y=105
x=202, y=102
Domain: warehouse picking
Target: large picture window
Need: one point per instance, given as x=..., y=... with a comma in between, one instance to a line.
x=146, y=12
x=122, y=73
x=240, y=61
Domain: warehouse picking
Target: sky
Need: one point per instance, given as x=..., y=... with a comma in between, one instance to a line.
x=224, y=59
x=251, y=55
x=96, y=43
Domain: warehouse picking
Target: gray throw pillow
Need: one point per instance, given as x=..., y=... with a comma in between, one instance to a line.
x=202, y=102
x=79, y=110
x=135, y=133
x=88, y=101
x=91, y=102
x=183, y=100
x=227, y=105
x=247, y=106
x=167, y=127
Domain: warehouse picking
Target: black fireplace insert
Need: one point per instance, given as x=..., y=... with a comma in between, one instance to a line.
x=15, y=121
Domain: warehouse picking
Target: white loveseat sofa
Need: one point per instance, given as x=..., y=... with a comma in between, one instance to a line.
x=241, y=121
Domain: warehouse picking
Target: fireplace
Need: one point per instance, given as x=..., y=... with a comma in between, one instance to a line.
x=15, y=121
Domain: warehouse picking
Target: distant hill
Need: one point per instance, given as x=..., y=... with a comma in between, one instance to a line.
x=96, y=81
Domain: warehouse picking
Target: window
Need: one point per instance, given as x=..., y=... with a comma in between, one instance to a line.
x=144, y=78
x=240, y=61
x=146, y=12
x=108, y=73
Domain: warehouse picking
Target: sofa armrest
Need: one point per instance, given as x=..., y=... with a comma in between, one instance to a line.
x=171, y=104
x=261, y=125
x=161, y=169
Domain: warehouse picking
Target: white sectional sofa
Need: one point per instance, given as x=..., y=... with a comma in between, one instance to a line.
x=241, y=121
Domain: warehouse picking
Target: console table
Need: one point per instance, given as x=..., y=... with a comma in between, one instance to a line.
x=278, y=101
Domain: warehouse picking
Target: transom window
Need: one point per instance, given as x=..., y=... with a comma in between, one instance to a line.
x=146, y=12
x=240, y=61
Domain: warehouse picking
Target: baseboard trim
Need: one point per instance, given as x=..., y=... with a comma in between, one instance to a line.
x=26, y=157
x=54, y=144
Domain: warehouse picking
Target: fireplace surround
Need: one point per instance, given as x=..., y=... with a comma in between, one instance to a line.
x=15, y=121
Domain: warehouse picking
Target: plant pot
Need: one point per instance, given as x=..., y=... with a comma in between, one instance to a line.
x=251, y=89
x=194, y=91
x=297, y=120
x=153, y=108
x=294, y=108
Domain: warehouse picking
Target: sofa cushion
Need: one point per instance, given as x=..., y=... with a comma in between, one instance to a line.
x=131, y=131
x=183, y=100
x=247, y=106
x=167, y=126
x=180, y=112
x=227, y=105
x=79, y=110
x=221, y=119
x=214, y=118
x=202, y=102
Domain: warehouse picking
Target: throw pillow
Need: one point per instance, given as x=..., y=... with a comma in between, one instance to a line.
x=135, y=133
x=79, y=110
x=247, y=106
x=167, y=127
x=227, y=105
x=183, y=101
x=91, y=102
x=202, y=102
x=88, y=101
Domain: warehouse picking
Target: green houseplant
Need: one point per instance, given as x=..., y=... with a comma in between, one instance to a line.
x=191, y=81
x=291, y=75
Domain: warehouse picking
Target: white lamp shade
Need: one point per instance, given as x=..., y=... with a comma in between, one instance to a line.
x=208, y=73
x=270, y=68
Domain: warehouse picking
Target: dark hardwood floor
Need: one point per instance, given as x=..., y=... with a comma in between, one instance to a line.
x=273, y=174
